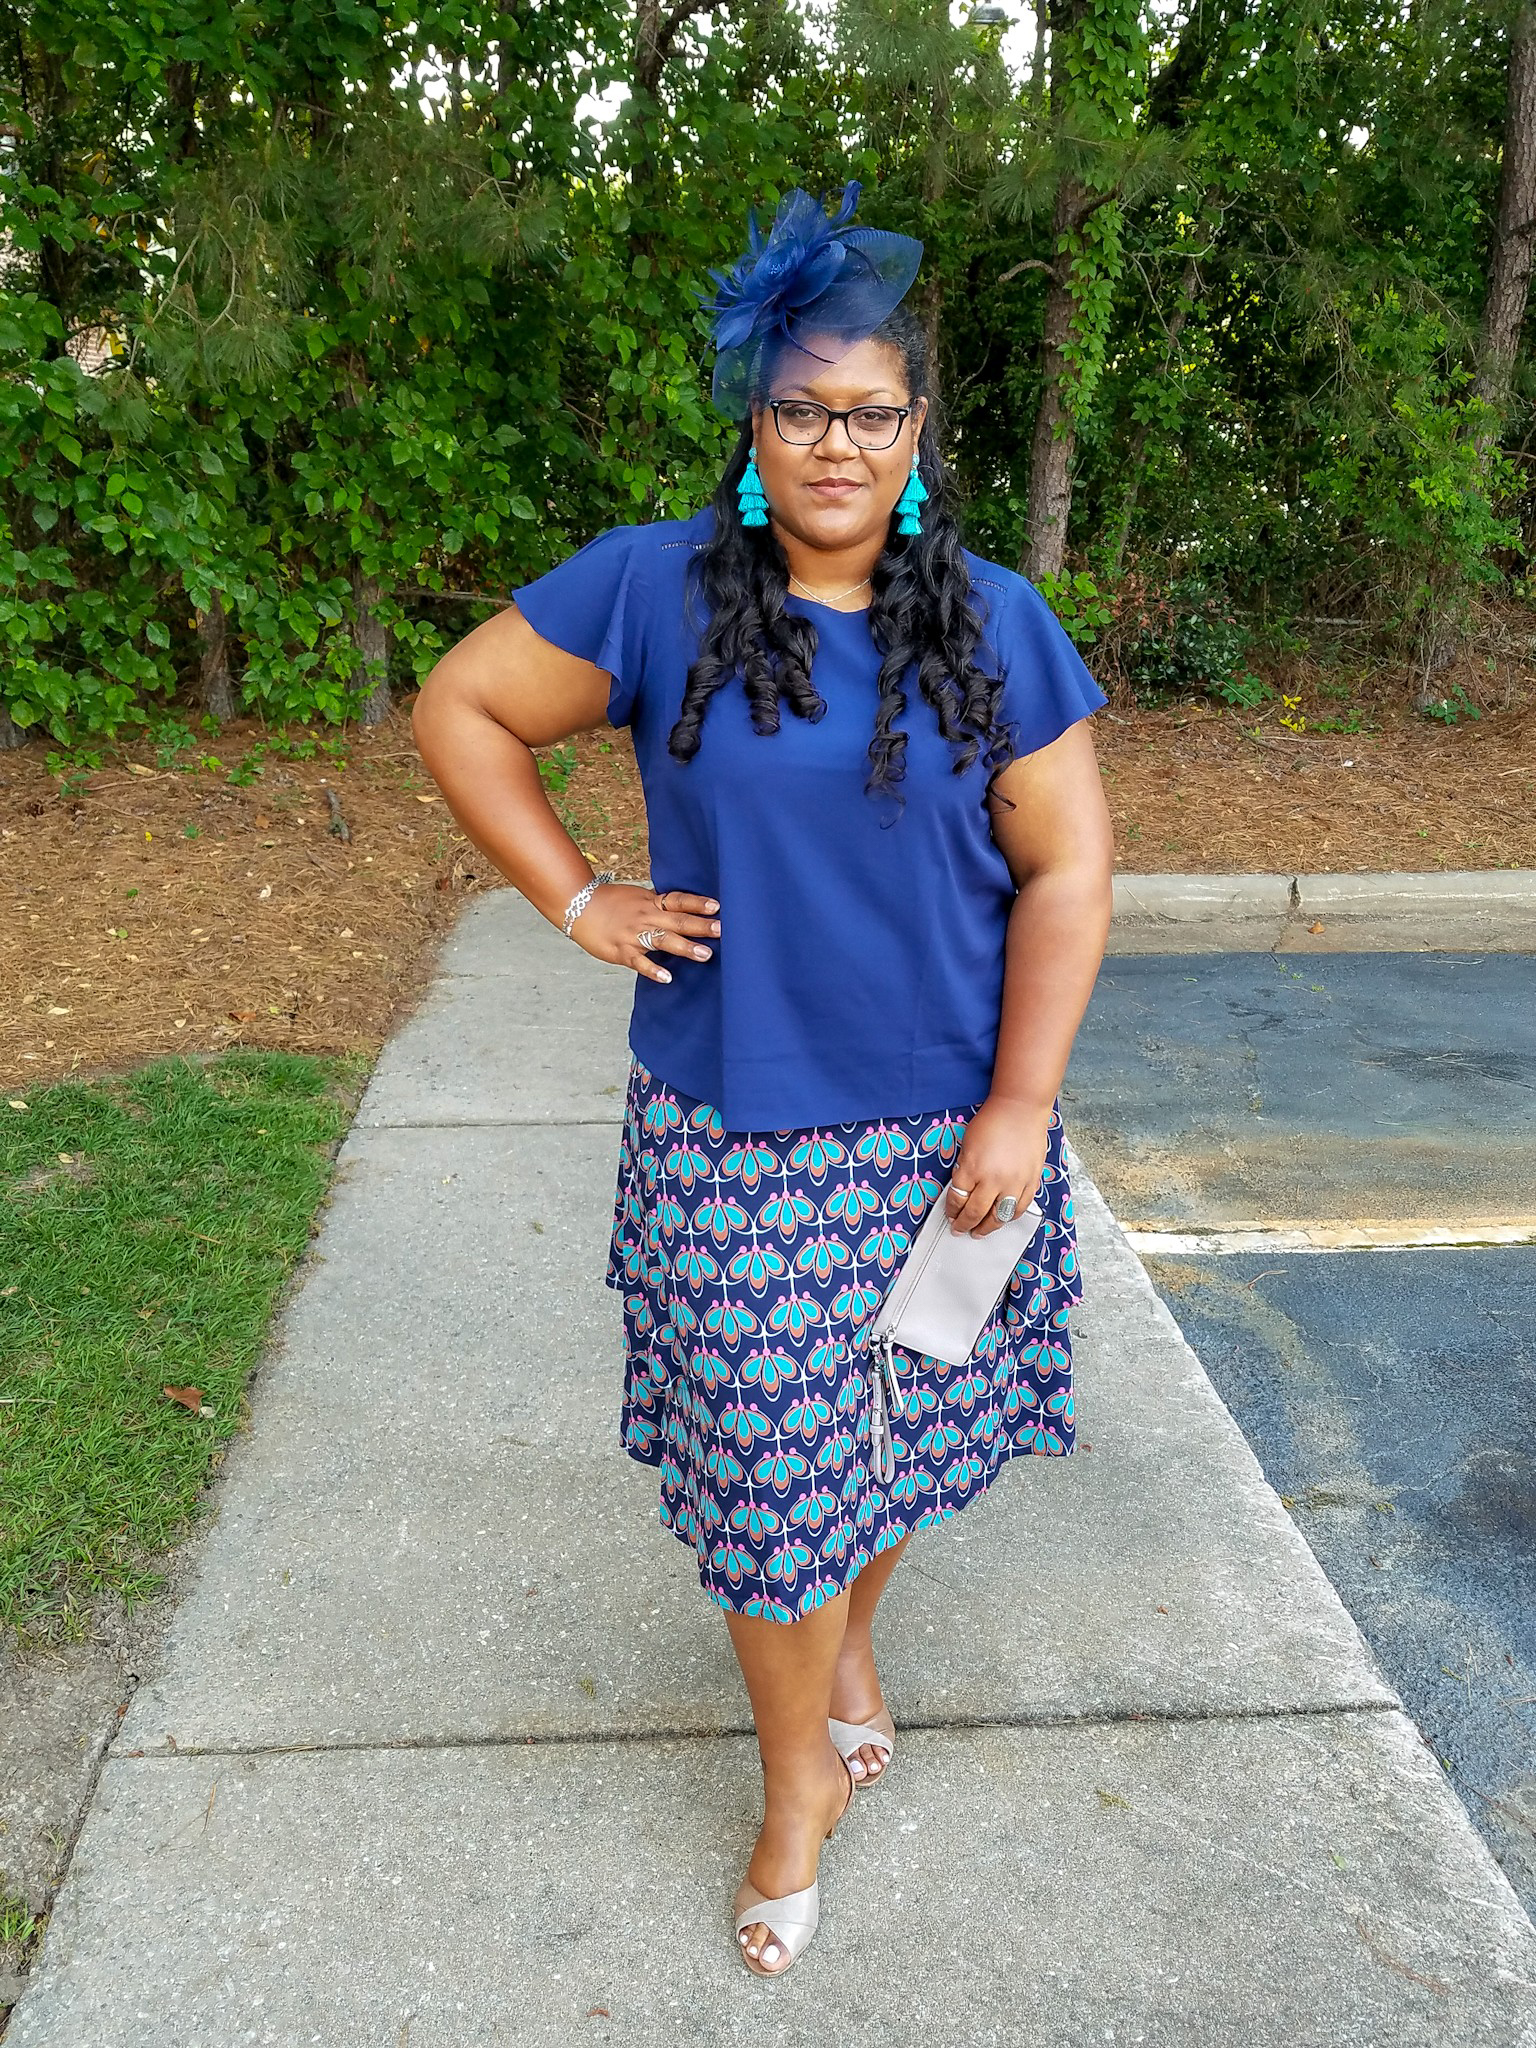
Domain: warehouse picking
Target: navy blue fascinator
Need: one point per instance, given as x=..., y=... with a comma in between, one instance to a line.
x=814, y=279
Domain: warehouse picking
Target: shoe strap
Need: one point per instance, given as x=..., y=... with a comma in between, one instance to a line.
x=848, y=1736
x=792, y=1918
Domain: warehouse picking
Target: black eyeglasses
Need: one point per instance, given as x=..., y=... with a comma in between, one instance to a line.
x=802, y=422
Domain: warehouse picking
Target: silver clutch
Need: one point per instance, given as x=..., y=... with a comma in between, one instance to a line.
x=937, y=1303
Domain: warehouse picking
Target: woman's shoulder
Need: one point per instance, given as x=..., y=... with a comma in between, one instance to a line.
x=1047, y=683
x=1015, y=611
x=654, y=542
x=631, y=573
x=999, y=587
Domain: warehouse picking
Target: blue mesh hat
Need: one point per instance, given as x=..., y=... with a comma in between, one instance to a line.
x=815, y=285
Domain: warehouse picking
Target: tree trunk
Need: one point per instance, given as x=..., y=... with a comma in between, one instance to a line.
x=935, y=183
x=1439, y=643
x=1055, y=437
x=185, y=84
x=11, y=734
x=655, y=33
x=1037, y=64
x=1509, y=266
x=371, y=639
x=59, y=263
x=1442, y=634
x=215, y=690
x=515, y=15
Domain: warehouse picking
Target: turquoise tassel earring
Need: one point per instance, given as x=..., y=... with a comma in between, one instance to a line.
x=750, y=497
x=914, y=496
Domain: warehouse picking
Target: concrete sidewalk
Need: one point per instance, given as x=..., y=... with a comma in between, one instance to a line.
x=448, y=1748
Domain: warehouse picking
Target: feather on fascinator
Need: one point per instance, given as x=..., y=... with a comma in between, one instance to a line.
x=813, y=278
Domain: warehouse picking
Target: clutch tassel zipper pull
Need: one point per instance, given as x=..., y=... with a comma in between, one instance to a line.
x=892, y=1377
x=882, y=1443
x=887, y=1390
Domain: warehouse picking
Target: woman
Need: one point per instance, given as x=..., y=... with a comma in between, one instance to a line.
x=878, y=925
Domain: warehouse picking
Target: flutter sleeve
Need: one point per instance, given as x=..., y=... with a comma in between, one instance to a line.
x=592, y=605
x=1047, y=685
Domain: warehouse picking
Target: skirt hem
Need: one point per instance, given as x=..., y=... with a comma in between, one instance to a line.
x=896, y=1528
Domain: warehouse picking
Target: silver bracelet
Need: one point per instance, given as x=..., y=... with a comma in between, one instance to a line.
x=583, y=897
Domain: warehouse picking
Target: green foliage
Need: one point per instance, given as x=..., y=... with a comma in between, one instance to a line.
x=1186, y=638
x=1078, y=602
x=1103, y=69
x=1405, y=475
x=556, y=769
x=1451, y=710
x=312, y=317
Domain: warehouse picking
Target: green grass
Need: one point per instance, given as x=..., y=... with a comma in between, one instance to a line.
x=18, y=1928
x=147, y=1223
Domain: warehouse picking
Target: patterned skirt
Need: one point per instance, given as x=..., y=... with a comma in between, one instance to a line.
x=751, y=1263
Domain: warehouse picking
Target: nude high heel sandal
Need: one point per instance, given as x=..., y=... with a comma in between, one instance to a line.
x=791, y=1919
x=848, y=1737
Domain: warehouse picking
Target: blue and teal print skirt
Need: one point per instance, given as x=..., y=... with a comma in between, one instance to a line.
x=751, y=1263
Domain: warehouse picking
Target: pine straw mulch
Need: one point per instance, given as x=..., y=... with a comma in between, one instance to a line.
x=1199, y=790
x=149, y=909
x=152, y=910
x=1335, y=773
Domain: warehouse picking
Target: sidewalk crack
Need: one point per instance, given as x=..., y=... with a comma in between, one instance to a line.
x=921, y=1724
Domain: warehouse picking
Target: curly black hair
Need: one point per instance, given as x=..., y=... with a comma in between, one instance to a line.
x=922, y=611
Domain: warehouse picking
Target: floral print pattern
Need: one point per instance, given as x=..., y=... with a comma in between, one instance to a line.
x=750, y=1265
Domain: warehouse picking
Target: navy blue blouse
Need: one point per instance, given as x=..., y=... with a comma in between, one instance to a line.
x=859, y=967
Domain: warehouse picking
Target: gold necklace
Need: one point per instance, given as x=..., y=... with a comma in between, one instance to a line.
x=827, y=598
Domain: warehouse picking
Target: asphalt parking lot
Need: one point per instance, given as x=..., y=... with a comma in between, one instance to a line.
x=1329, y=1167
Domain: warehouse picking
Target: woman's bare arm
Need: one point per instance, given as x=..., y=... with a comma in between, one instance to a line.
x=499, y=693
x=1059, y=846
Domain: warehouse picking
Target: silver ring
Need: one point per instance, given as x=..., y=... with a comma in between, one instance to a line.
x=649, y=939
x=1005, y=1206
x=963, y=1193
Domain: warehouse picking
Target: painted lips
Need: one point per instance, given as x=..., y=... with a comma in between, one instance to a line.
x=831, y=490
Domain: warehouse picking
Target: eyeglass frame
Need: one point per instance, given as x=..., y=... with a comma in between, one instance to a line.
x=870, y=405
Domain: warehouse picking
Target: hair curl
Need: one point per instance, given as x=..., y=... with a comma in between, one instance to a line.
x=922, y=612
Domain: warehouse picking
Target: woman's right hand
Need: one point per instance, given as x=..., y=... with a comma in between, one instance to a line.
x=618, y=911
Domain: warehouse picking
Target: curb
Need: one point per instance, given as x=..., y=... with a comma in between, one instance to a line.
x=1366, y=895
x=1478, y=908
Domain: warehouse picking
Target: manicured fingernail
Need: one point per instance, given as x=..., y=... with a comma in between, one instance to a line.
x=662, y=974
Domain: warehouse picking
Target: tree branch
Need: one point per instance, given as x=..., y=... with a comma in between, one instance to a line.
x=1030, y=263
x=654, y=39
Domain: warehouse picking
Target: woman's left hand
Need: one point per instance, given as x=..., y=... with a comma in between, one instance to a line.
x=1002, y=1153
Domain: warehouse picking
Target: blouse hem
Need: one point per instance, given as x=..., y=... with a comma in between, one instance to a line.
x=955, y=1087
